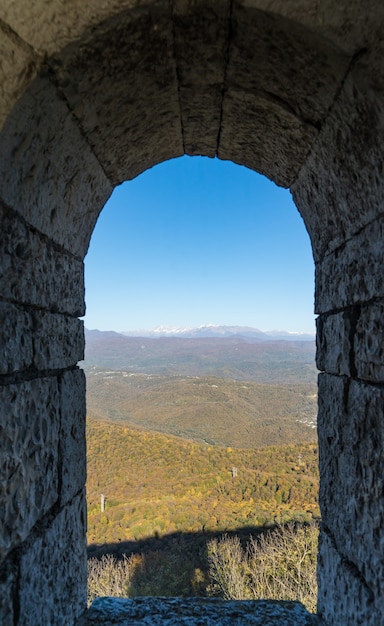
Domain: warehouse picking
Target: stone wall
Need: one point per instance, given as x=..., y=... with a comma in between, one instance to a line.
x=349, y=299
x=92, y=94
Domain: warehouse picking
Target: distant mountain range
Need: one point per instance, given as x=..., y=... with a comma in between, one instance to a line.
x=207, y=330
x=259, y=357
x=212, y=330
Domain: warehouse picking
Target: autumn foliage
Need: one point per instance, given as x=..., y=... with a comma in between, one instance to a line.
x=158, y=484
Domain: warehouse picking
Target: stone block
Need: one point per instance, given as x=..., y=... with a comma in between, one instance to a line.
x=201, y=115
x=29, y=434
x=72, y=433
x=344, y=598
x=354, y=274
x=56, y=560
x=18, y=66
x=132, y=120
x=35, y=271
x=351, y=444
x=280, y=82
x=268, y=138
x=58, y=341
x=272, y=54
x=346, y=25
x=50, y=25
x=16, y=343
x=352, y=342
x=369, y=343
x=8, y=578
x=30, y=338
x=196, y=612
x=62, y=192
x=339, y=189
x=333, y=343
x=201, y=50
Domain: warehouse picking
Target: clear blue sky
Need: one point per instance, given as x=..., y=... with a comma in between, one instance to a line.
x=195, y=241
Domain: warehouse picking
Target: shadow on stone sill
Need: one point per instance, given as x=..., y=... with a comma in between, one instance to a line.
x=196, y=612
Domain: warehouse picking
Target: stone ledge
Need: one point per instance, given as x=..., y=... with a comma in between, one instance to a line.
x=196, y=612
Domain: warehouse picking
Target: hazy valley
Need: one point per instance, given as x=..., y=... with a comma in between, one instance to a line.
x=235, y=357
x=207, y=409
x=232, y=391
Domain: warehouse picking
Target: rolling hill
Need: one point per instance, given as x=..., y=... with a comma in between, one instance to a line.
x=207, y=409
x=157, y=484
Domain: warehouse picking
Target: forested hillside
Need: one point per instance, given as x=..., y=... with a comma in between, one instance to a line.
x=157, y=485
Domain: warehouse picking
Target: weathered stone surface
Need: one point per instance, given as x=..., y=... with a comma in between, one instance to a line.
x=8, y=577
x=369, y=343
x=61, y=194
x=18, y=66
x=16, y=345
x=354, y=274
x=49, y=25
x=275, y=96
x=29, y=431
x=344, y=24
x=35, y=339
x=127, y=63
x=201, y=111
x=201, y=50
x=196, y=612
x=35, y=272
x=72, y=433
x=352, y=342
x=342, y=590
x=351, y=444
x=272, y=56
x=57, y=560
x=269, y=139
x=58, y=340
x=334, y=343
x=339, y=191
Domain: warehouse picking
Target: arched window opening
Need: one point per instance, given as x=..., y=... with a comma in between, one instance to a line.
x=201, y=380
x=96, y=96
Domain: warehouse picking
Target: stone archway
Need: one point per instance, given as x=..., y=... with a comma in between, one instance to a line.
x=93, y=95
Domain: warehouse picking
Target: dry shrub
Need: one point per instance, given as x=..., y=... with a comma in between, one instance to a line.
x=109, y=576
x=171, y=572
x=279, y=565
x=228, y=568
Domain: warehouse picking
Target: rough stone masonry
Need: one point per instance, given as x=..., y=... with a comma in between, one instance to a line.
x=93, y=93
